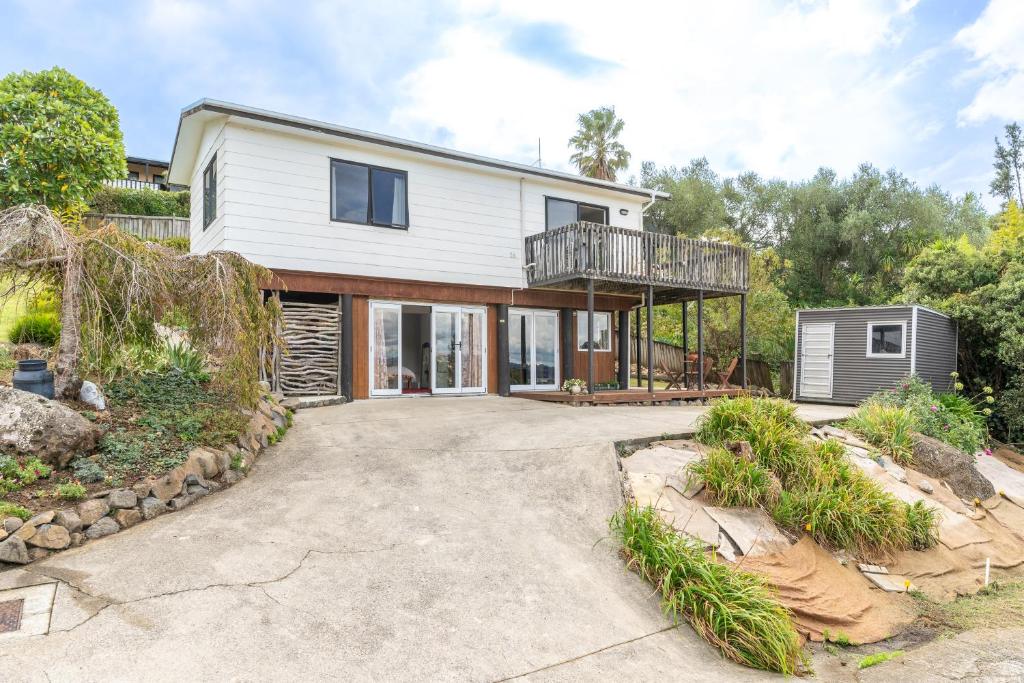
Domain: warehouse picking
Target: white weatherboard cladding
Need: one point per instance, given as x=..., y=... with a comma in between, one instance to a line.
x=467, y=222
x=212, y=238
x=816, y=360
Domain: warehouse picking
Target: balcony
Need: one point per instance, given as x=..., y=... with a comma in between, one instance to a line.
x=620, y=260
x=132, y=184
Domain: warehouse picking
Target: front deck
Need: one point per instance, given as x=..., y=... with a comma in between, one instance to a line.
x=633, y=395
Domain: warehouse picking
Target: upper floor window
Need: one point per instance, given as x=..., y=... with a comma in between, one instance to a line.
x=886, y=340
x=361, y=193
x=559, y=212
x=210, y=192
x=133, y=175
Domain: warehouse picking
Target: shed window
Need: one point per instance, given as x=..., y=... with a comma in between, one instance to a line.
x=368, y=194
x=210, y=192
x=602, y=331
x=561, y=212
x=886, y=339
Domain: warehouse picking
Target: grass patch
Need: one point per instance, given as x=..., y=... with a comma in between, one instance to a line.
x=998, y=603
x=806, y=486
x=71, y=490
x=12, y=510
x=887, y=427
x=878, y=658
x=735, y=611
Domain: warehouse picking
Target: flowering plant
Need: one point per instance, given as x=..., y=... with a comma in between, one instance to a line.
x=568, y=385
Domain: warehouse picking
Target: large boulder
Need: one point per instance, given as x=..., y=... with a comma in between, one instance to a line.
x=34, y=425
x=956, y=468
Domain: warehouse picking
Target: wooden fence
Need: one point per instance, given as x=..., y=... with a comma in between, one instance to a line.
x=143, y=227
x=671, y=357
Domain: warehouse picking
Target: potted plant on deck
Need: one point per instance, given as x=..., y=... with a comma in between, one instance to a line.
x=574, y=386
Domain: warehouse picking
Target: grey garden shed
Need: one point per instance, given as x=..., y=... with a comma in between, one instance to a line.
x=843, y=355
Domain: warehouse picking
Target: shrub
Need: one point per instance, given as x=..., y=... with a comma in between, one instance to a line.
x=85, y=470
x=140, y=202
x=71, y=490
x=888, y=427
x=12, y=510
x=182, y=244
x=735, y=611
x=36, y=328
x=187, y=361
x=6, y=362
x=922, y=524
x=15, y=476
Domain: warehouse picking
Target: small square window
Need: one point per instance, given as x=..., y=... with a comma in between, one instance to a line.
x=886, y=340
x=602, y=331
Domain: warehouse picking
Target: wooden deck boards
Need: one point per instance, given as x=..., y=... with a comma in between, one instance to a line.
x=626, y=396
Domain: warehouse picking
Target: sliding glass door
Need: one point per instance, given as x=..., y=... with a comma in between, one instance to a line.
x=532, y=349
x=459, y=349
x=385, y=349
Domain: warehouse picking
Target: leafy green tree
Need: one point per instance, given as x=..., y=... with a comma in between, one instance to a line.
x=59, y=139
x=983, y=289
x=1009, y=160
x=599, y=154
x=696, y=205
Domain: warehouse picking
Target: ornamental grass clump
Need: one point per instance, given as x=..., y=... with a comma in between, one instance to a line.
x=736, y=611
x=889, y=428
x=805, y=485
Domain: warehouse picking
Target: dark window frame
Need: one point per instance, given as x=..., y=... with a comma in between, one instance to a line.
x=370, y=168
x=547, y=198
x=210, y=192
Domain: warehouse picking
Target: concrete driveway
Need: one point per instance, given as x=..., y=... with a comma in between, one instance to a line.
x=426, y=539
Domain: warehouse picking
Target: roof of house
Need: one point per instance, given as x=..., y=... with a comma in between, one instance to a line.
x=186, y=145
x=143, y=161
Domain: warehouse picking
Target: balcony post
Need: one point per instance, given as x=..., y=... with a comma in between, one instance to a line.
x=623, y=349
x=743, y=340
x=700, y=339
x=504, y=380
x=686, y=345
x=638, y=341
x=590, y=335
x=568, y=343
x=650, y=339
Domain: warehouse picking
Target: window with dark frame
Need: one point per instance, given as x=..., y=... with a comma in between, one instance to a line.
x=886, y=339
x=371, y=195
x=559, y=212
x=210, y=192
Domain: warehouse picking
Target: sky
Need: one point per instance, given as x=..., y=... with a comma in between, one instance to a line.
x=780, y=88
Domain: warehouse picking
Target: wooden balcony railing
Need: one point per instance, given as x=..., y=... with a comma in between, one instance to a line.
x=581, y=251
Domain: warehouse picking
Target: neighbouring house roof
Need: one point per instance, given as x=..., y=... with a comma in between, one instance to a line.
x=142, y=162
x=190, y=126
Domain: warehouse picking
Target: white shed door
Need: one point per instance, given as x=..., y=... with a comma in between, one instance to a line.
x=817, y=343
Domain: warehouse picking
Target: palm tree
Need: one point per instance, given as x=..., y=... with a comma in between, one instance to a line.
x=599, y=154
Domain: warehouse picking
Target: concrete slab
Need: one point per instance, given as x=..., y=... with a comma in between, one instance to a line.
x=750, y=529
x=421, y=539
x=660, y=460
x=892, y=583
x=1007, y=481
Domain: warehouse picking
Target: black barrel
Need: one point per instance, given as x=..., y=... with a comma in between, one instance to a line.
x=32, y=376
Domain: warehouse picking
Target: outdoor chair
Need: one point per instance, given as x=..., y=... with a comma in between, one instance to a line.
x=675, y=378
x=724, y=376
x=692, y=375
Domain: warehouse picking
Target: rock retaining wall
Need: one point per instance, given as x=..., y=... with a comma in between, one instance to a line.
x=107, y=512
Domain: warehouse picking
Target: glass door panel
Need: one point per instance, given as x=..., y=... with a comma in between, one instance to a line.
x=533, y=350
x=385, y=349
x=471, y=344
x=546, y=349
x=520, y=349
x=445, y=345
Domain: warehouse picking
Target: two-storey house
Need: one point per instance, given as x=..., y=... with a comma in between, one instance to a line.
x=405, y=268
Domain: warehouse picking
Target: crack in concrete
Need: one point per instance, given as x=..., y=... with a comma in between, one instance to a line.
x=260, y=585
x=585, y=655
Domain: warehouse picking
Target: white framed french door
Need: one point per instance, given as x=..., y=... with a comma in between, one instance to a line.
x=458, y=341
x=385, y=348
x=533, y=349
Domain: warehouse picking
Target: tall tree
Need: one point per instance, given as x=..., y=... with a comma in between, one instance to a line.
x=1009, y=162
x=599, y=154
x=59, y=139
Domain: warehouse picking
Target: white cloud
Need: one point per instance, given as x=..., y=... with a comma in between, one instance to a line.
x=780, y=89
x=995, y=43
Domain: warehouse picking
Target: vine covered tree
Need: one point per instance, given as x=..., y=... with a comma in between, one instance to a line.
x=1009, y=162
x=59, y=139
x=599, y=154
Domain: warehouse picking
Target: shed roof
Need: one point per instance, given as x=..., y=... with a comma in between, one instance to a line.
x=879, y=307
